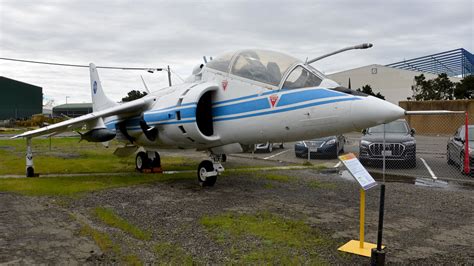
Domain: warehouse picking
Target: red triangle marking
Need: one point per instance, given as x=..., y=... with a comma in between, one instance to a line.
x=273, y=99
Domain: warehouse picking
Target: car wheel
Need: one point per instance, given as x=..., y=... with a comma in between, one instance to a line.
x=461, y=163
x=448, y=157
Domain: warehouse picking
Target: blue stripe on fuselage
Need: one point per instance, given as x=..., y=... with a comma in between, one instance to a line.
x=307, y=95
x=238, y=108
x=288, y=108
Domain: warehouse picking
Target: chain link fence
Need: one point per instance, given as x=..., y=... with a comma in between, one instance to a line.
x=420, y=146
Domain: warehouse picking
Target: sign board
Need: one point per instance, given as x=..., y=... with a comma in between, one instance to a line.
x=358, y=171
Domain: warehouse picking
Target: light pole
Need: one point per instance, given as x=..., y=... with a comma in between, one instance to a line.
x=66, y=98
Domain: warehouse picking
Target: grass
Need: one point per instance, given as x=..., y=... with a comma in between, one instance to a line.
x=321, y=185
x=278, y=240
x=106, y=245
x=101, y=239
x=275, y=177
x=110, y=218
x=171, y=254
x=68, y=155
x=75, y=186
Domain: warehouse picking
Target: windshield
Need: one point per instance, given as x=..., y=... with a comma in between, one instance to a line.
x=263, y=66
x=393, y=127
x=470, y=133
x=221, y=63
x=301, y=78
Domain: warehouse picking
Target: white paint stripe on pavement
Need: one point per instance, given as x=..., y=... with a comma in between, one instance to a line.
x=429, y=169
x=337, y=165
x=266, y=158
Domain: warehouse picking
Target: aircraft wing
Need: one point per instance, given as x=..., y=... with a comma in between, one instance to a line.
x=78, y=122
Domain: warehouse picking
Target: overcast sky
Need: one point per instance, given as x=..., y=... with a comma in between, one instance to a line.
x=177, y=33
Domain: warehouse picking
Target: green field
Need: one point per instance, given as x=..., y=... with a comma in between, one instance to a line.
x=68, y=155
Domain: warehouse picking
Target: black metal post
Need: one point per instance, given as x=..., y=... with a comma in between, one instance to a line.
x=378, y=254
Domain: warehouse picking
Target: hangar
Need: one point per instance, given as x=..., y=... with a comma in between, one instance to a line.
x=72, y=109
x=19, y=100
x=394, y=80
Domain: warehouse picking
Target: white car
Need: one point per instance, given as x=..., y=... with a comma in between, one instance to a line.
x=266, y=147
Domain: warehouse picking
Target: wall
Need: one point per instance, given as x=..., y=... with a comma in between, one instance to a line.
x=395, y=84
x=19, y=100
x=438, y=124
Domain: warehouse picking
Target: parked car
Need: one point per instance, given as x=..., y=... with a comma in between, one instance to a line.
x=456, y=148
x=322, y=147
x=266, y=147
x=400, y=144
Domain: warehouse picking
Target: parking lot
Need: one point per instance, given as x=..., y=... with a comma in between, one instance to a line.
x=430, y=150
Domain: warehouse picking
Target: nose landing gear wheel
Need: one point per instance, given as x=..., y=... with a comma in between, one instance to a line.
x=205, y=174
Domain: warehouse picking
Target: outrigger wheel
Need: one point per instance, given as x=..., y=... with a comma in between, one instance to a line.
x=207, y=175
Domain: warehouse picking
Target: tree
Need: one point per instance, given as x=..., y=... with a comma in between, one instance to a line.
x=368, y=90
x=465, y=88
x=444, y=87
x=133, y=95
x=439, y=88
x=423, y=89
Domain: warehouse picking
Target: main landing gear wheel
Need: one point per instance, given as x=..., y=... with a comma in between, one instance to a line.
x=156, y=162
x=207, y=175
x=141, y=161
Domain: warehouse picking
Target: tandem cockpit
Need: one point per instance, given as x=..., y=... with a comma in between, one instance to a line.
x=270, y=69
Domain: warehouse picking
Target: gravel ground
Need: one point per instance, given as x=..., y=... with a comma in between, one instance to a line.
x=423, y=224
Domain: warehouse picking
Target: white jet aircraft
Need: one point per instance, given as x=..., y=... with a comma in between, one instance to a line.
x=239, y=98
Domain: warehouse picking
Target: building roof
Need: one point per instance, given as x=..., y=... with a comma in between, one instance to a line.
x=457, y=62
x=73, y=105
x=14, y=80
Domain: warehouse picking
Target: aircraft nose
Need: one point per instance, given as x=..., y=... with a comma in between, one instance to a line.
x=373, y=111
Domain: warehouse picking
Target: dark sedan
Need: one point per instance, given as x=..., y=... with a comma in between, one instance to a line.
x=456, y=148
x=400, y=144
x=322, y=147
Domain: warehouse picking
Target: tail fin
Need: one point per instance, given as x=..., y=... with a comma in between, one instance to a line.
x=99, y=100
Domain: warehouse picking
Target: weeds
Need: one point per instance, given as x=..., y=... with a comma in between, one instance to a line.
x=110, y=218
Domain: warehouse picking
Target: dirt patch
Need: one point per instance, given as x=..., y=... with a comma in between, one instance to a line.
x=422, y=224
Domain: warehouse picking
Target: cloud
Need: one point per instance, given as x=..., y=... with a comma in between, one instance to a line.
x=159, y=33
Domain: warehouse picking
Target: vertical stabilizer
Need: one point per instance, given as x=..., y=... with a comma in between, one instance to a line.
x=99, y=100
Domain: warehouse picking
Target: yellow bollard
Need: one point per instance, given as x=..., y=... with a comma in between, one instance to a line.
x=359, y=247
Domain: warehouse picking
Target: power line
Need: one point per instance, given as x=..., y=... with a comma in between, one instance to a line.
x=75, y=65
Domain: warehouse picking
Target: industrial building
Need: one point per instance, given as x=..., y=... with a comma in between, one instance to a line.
x=72, y=109
x=19, y=100
x=394, y=80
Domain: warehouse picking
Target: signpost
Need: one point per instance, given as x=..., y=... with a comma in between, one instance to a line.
x=366, y=181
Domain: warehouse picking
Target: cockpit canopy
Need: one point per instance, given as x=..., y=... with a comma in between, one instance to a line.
x=265, y=66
